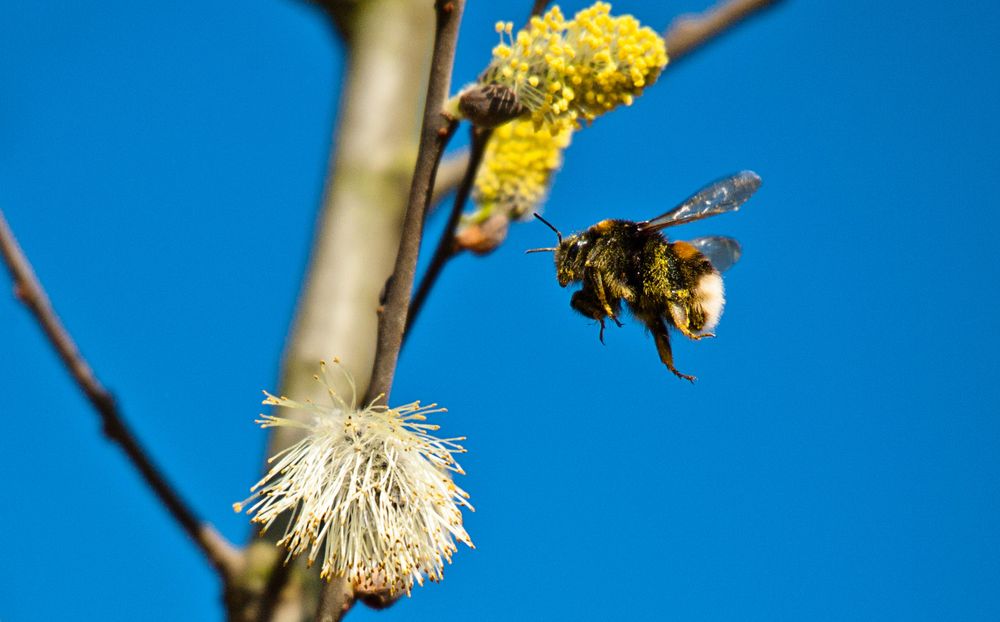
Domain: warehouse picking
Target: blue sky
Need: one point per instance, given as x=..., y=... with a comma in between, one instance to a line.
x=837, y=459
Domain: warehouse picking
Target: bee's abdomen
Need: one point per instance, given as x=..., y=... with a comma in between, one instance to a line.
x=688, y=265
x=680, y=283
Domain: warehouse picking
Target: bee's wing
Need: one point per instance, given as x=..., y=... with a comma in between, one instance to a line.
x=725, y=195
x=723, y=252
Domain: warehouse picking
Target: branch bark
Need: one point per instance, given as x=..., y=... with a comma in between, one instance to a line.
x=28, y=289
x=436, y=131
x=688, y=33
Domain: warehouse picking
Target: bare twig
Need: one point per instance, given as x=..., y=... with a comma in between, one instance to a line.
x=687, y=33
x=29, y=291
x=435, y=133
x=450, y=174
x=446, y=248
x=538, y=7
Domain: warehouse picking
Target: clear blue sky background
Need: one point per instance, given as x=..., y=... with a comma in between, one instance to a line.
x=837, y=459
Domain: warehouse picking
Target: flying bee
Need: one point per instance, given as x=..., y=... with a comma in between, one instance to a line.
x=661, y=282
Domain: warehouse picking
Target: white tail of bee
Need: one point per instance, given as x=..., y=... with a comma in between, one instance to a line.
x=710, y=293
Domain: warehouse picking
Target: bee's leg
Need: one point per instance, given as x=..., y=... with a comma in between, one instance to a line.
x=682, y=315
x=603, y=297
x=587, y=304
x=692, y=335
x=662, y=339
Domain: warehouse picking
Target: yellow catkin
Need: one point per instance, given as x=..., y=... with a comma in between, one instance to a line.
x=564, y=71
x=517, y=169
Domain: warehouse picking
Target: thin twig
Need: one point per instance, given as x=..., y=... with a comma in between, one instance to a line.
x=435, y=133
x=688, y=33
x=449, y=176
x=222, y=555
x=538, y=7
x=446, y=243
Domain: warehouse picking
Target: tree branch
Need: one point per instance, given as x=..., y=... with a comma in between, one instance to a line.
x=436, y=131
x=688, y=33
x=223, y=556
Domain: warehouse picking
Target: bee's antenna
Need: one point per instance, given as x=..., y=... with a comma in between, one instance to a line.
x=549, y=225
x=540, y=250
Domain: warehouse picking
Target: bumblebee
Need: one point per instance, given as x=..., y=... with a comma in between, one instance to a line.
x=662, y=283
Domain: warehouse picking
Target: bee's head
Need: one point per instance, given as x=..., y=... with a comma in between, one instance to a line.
x=571, y=258
x=569, y=254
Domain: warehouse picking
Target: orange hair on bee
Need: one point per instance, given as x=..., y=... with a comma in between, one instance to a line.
x=685, y=250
